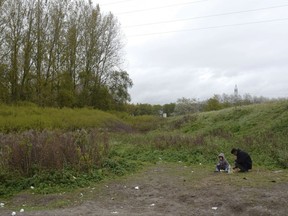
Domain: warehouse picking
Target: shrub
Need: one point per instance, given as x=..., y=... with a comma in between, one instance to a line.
x=30, y=151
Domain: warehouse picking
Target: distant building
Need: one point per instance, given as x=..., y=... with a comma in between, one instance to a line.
x=236, y=91
x=236, y=95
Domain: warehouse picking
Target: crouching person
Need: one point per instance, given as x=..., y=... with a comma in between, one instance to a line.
x=222, y=164
x=243, y=160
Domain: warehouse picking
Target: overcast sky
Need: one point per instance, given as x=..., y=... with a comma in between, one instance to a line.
x=198, y=48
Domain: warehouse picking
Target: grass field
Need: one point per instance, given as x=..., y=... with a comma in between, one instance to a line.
x=49, y=148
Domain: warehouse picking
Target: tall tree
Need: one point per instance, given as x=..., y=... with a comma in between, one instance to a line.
x=53, y=49
x=27, y=52
x=13, y=15
x=40, y=31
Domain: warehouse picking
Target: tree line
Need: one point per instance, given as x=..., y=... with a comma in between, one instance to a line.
x=184, y=106
x=61, y=53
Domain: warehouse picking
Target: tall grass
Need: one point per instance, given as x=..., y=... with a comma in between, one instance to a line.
x=49, y=157
x=30, y=151
x=22, y=118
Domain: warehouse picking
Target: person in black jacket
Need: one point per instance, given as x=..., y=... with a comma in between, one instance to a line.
x=243, y=160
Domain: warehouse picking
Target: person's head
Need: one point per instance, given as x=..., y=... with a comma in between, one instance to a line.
x=234, y=151
x=221, y=156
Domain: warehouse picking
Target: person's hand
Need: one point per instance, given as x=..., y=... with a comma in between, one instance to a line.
x=236, y=169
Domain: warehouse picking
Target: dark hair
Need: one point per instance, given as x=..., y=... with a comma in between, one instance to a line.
x=234, y=150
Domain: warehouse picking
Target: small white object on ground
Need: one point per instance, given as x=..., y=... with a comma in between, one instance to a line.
x=278, y=171
x=13, y=213
x=21, y=210
x=137, y=188
x=2, y=205
x=152, y=204
x=115, y=212
x=32, y=187
x=214, y=208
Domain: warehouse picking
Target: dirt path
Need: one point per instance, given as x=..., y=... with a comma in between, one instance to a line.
x=172, y=190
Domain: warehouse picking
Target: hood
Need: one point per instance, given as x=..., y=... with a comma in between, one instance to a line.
x=221, y=155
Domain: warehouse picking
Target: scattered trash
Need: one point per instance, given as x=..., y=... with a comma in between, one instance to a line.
x=106, y=186
x=21, y=210
x=81, y=195
x=115, y=212
x=32, y=187
x=152, y=204
x=192, y=171
x=214, y=208
x=2, y=205
x=13, y=213
x=137, y=188
x=200, y=164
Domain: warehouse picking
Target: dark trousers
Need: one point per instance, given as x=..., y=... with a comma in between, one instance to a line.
x=242, y=167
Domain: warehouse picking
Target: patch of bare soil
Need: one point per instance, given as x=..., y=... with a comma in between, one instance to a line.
x=170, y=190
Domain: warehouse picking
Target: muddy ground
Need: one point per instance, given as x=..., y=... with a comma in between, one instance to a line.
x=167, y=189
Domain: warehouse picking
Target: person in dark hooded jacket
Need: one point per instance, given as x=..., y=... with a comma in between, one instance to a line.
x=243, y=160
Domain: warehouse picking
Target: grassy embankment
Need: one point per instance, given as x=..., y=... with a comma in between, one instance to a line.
x=55, y=154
